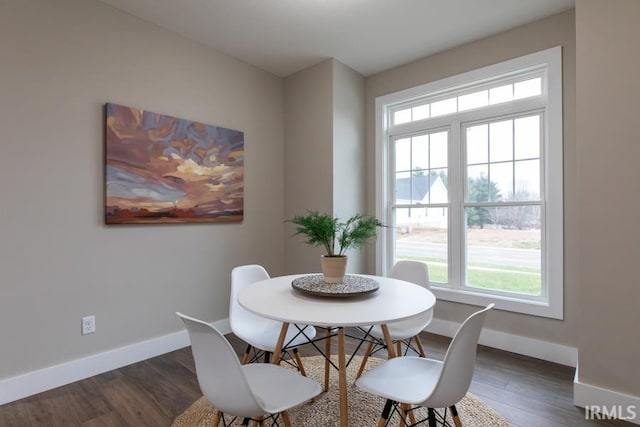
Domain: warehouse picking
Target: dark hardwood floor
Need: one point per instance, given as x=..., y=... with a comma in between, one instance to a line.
x=527, y=392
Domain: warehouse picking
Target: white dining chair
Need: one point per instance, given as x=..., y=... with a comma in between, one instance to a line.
x=411, y=380
x=246, y=391
x=404, y=331
x=259, y=332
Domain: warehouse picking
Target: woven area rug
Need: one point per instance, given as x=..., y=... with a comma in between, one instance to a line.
x=364, y=409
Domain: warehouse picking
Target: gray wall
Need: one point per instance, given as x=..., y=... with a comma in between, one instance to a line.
x=349, y=159
x=324, y=153
x=553, y=31
x=607, y=80
x=61, y=61
x=308, y=156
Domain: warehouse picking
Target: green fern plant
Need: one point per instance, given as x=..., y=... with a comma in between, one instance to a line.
x=334, y=235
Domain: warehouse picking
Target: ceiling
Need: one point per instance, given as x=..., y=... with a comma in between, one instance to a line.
x=285, y=36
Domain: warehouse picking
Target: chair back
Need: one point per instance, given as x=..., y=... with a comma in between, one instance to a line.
x=411, y=271
x=415, y=272
x=243, y=321
x=219, y=372
x=457, y=370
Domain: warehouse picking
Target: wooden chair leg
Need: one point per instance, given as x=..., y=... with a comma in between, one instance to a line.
x=419, y=345
x=299, y=362
x=454, y=415
x=216, y=419
x=285, y=419
x=245, y=357
x=412, y=417
x=327, y=365
x=409, y=412
x=384, y=417
x=364, y=359
x=278, y=351
x=399, y=348
x=403, y=415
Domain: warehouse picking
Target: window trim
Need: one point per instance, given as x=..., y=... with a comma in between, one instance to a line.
x=523, y=75
x=552, y=186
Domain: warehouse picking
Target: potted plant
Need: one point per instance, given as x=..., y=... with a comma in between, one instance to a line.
x=336, y=237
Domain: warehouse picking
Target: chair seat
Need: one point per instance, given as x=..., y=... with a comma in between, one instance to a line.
x=247, y=391
x=277, y=388
x=426, y=382
x=403, y=379
x=264, y=336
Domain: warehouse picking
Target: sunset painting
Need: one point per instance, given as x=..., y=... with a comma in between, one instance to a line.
x=161, y=169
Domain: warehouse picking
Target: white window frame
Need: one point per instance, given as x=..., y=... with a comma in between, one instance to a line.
x=551, y=303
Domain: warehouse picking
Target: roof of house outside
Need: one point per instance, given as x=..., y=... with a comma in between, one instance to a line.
x=415, y=187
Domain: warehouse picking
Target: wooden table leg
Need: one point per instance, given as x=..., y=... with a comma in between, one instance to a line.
x=278, y=350
x=327, y=364
x=342, y=378
x=389, y=341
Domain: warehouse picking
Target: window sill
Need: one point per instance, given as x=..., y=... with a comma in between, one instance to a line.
x=507, y=303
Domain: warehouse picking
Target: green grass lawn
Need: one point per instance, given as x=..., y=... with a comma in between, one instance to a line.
x=488, y=276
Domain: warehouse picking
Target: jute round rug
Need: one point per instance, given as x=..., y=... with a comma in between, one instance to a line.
x=364, y=409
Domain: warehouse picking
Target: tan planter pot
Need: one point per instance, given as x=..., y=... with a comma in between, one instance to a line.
x=333, y=268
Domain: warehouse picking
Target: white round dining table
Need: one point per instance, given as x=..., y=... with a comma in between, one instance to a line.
x=394, y=300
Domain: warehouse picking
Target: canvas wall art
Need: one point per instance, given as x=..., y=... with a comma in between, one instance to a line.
x=162, y=169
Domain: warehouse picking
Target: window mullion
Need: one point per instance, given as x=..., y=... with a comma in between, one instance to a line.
x=456, y=211
x=390, y=241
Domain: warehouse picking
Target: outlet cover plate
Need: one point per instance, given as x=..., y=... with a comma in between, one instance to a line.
x=88, y=325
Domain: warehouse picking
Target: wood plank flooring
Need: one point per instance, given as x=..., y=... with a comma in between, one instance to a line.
x=528, y=392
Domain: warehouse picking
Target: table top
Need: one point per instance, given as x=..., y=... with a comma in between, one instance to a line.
x=395, y=300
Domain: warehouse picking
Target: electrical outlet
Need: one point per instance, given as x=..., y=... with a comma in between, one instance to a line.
x=88, y=325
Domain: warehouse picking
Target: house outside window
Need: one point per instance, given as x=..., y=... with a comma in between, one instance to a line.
x=469, y=176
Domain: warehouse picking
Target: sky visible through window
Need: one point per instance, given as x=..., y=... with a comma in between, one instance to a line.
x=478, y=99
x=506, y=152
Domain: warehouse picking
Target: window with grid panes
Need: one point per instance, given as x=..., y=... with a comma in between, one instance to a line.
x=469, y=175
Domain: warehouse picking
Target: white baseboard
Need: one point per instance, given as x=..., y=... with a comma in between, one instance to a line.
x=607, y=402
x=21, y=386
x=544, y=350
x=34, y=382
